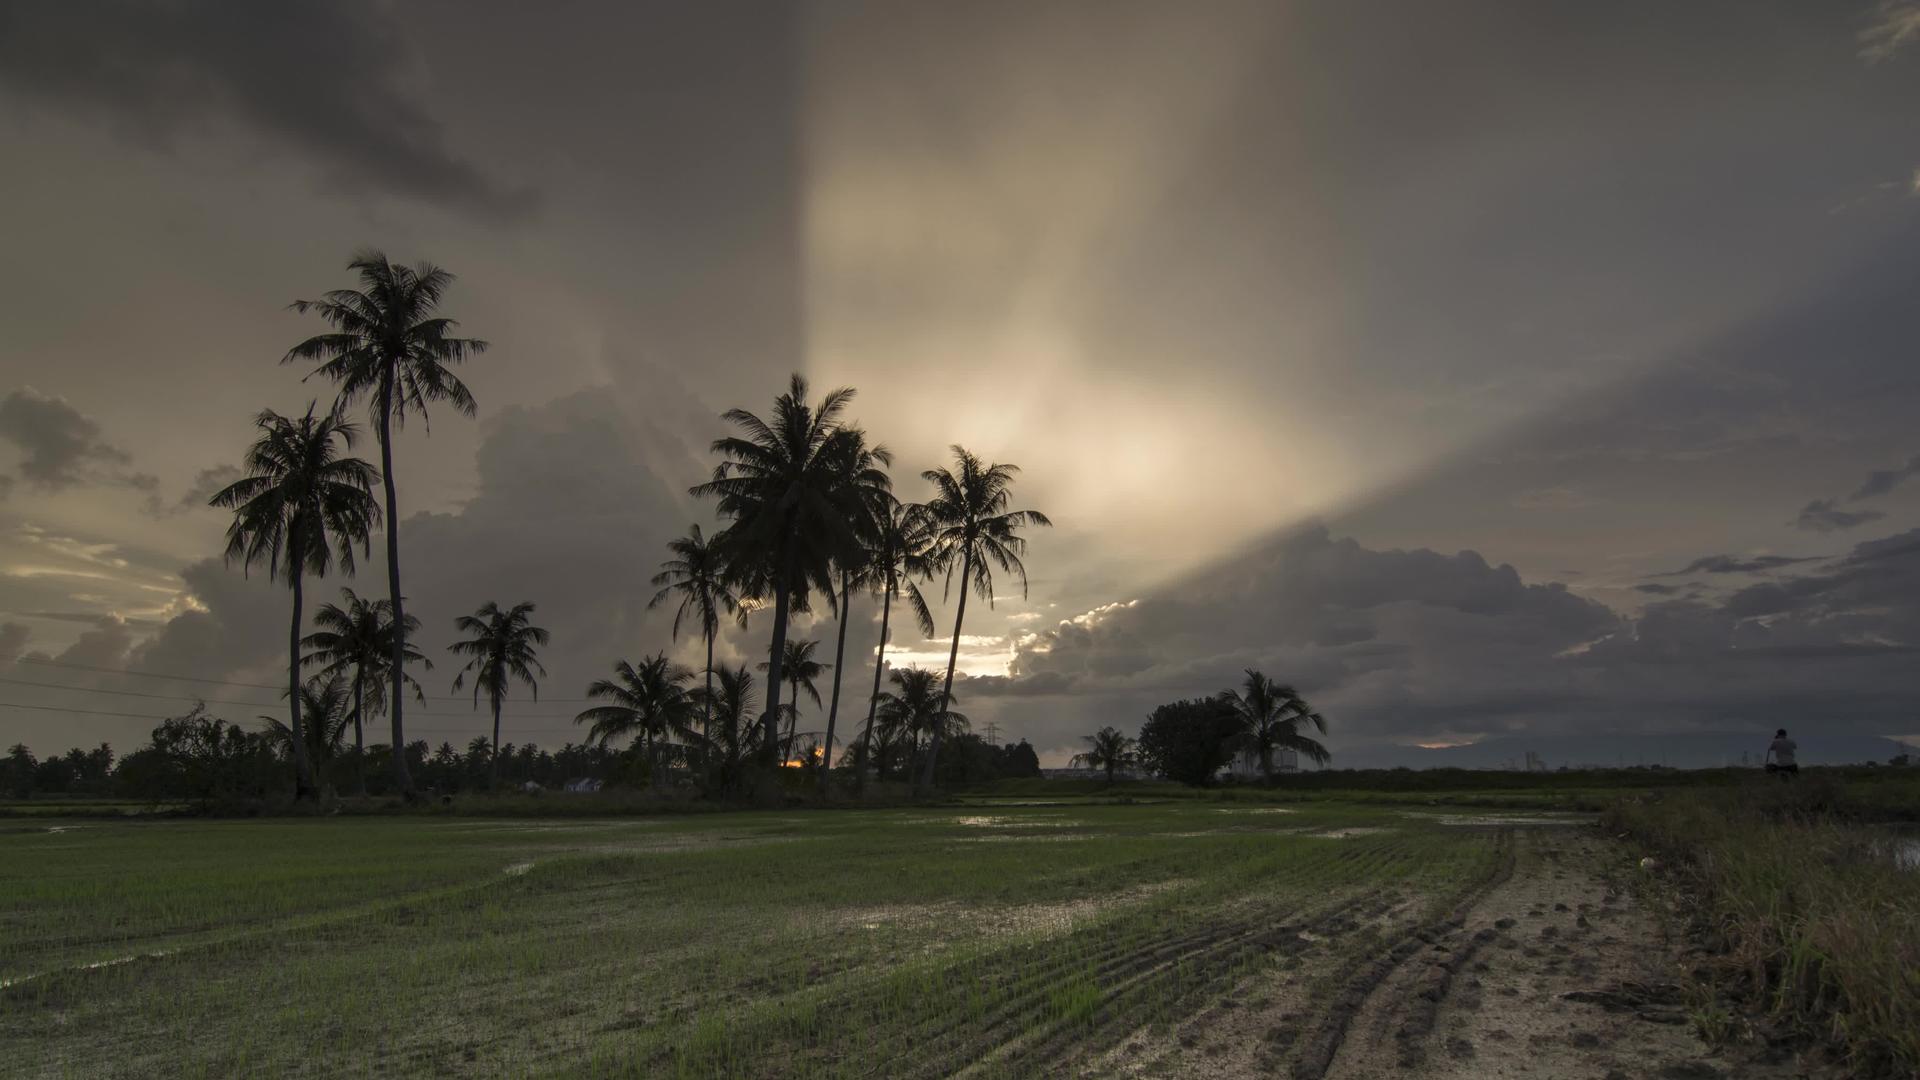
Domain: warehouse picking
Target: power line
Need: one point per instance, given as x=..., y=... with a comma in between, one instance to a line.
x=250, y=720
x=229, y=682
x=249, y=704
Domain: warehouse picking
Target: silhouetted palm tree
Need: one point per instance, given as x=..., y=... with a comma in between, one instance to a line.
x=973, y=531
x=791, y=508
x=649, y=702
x=733, y=733
x=389, y=345
x=299, y=504
x=1271, y=714
x=359, y=637
x=503, y=647
x=798, y=668
x=870, y=484
x=916, y=709
x=698, y=574
x=1107, y=749
x=323, y=718
x=897, y=560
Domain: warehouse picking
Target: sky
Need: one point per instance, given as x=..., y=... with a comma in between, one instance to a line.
x=1485, y=369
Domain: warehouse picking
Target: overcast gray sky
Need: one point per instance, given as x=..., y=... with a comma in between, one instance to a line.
x=1482, y=368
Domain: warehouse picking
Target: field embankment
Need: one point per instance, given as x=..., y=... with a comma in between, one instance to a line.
x=1805, y=895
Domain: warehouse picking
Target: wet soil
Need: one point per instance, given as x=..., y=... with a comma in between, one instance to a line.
x=1550, y=967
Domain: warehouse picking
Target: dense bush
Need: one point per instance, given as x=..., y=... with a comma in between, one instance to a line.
x=1190, y=741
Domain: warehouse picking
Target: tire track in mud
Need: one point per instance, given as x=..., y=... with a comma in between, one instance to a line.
x=1126, y=978
x=1319, y=1049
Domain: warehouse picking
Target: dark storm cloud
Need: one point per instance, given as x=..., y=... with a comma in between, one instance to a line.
x=1821, y=515
x=1881, y=481
x=1457, y=646
x=1655, y=589
x=326, y=78
x=1737, y=564
x=61, y=447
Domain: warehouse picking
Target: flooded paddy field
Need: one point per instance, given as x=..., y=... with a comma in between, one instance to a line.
x=1068, y=938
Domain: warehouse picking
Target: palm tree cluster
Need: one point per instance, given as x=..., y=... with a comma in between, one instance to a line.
x=809, y=516
x=303, y=501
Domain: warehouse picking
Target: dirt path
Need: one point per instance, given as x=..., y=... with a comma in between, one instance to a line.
x=1546, y=969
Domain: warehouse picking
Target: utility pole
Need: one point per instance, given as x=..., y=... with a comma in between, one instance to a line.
x=993, y=733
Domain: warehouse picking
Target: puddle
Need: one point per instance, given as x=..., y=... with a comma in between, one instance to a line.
x=1904, y=851
x=990, y=821
x=1044, y=919
x=1485, y=820
x=1258, y=810
x=97, y=965
x=1349, y=833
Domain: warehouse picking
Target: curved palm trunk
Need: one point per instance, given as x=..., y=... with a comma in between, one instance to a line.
x=402, y=778
x=770, y=724
x=953, y=657
x=359, y=737
x=873, y=701
x=493, y=760
x=839, y=664
x=303, y=787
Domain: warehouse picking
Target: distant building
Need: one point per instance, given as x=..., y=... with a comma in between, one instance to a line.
x=584, y=785
x=1246, y=764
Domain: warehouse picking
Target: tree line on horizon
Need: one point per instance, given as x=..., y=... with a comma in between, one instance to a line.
x=806, y=509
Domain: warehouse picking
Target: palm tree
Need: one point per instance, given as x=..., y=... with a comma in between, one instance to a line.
x=299, y=503
x=1107, y=749
x=698, y=573
x=897, y=557
x=917, y=709
x=503, y=648
x=1271, y=714
x=650, y=702
x=972, y=529
x=799, y=669
x=791, y=507
x=869, y=482
x=731, y=730
x=389, y=346
x=323, y=717
x=359, y=636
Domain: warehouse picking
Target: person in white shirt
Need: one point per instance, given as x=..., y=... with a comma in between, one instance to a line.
x=1780, y=755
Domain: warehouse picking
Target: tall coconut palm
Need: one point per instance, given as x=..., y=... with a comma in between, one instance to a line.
x=898, y=561
x=1107, y=749
x=504, y=647
x=698, y=575
x=973, y=532
x=390, y=347
x=324, y=717
x=1271, y=714
x=782, y=485
x=359, y=637
x=649, y=702
x=915, y=708
x=300, y=503
x=799, y=669
x=868, y=482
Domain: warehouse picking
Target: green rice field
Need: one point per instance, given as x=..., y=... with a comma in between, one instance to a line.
x=1003, y=937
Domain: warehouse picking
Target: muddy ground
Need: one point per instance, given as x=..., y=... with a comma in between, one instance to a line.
x=1555, y=966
